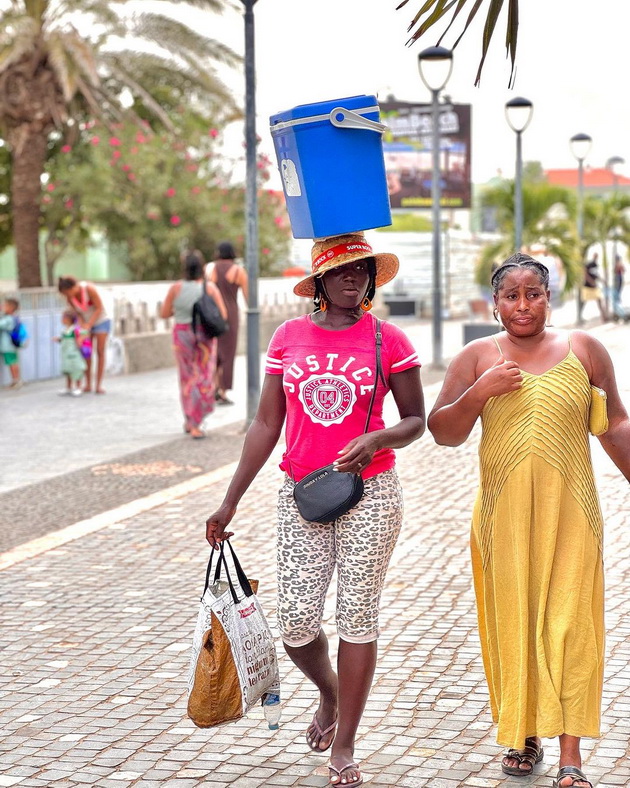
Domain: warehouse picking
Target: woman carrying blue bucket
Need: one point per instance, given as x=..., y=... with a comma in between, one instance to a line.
x=322, y=376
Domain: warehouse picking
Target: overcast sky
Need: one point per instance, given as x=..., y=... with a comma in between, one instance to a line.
x=573, y=64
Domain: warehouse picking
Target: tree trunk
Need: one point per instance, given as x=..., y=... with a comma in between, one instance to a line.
x=26, y=188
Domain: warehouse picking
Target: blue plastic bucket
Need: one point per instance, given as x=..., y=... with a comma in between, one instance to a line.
x=330, y=157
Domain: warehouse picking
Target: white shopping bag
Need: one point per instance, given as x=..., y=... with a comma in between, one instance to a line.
x=233, y=662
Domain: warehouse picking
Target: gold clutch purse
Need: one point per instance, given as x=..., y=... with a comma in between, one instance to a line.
x=598, y=414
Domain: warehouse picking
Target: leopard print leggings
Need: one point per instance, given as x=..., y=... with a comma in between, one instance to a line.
x=360, y=544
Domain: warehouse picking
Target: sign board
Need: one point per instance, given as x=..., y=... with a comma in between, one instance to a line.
x=409, y=156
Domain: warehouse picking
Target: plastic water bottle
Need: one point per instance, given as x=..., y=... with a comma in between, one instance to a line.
x=271, y=709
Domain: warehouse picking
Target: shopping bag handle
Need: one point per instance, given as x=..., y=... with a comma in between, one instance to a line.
x=242, y=577
x=240, y=574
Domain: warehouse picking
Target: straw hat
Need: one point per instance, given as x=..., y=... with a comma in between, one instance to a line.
x=329, y=253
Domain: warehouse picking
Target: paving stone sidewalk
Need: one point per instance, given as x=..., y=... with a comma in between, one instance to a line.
x=96, y=636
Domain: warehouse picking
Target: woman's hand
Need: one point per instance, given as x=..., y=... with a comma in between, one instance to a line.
x=216, y=525
x=502, y=378
x=357, y=455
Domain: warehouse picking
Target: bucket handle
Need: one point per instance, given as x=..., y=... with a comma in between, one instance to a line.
x=344, y=118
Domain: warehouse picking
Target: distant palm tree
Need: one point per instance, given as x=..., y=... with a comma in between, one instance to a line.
x=65, y=60
x=605, y=219
x=548, y=220
x=432, y=12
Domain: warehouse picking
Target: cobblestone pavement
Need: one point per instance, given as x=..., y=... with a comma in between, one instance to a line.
x=96, y=635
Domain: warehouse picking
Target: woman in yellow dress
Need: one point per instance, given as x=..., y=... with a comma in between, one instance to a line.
x=536, y=536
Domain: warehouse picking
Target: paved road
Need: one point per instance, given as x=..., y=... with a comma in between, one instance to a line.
x=97, y=624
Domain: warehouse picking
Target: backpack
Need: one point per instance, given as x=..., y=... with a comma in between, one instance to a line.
x=19, y=334
x=207, y=315
x=86, y=342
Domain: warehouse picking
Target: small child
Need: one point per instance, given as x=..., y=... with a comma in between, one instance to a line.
x=73, y=363
x=8, y=321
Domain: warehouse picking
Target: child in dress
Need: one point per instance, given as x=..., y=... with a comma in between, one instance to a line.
x=73, y=364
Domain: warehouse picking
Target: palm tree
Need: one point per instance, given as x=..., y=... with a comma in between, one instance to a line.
x=605, y=219
x=548, y=220
x=62, y=61
x=434, y=11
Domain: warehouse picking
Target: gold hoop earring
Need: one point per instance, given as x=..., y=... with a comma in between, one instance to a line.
x=495, y=314
x=323, y=306
x=366, y=304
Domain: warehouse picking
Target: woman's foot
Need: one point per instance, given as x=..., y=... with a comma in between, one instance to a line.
x=520, y=763
x=196, y=433
x=319, y=738
x=344, y=771
x=571, y=777
x=87, y=389
x=100, y=390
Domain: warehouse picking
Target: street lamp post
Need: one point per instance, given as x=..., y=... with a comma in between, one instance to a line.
x=435, y=65
x=580, y=146
x=251, y=213
x=518, y=112
x=610, y=165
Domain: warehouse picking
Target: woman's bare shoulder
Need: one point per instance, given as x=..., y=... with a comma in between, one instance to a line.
x=478, y=351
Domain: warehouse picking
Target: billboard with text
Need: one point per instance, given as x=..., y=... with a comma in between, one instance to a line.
x=409, y=156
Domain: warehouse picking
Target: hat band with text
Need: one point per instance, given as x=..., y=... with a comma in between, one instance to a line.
x=336, y=251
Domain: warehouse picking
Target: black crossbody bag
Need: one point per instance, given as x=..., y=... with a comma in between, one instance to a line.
x=326, y=494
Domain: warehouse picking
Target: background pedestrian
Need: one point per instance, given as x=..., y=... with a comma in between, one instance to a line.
x=320, y=375
x=195, y=354
x=618, y=282
x=73, y=363
x=10, y=353
x=591, y=289
x=86, y=302
x=229, y=277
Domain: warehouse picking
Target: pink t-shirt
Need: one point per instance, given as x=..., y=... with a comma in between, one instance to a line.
x=328, y=378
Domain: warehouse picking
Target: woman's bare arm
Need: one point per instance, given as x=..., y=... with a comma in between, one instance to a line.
x=616, y=440
x=167, y=307
x=463, y=395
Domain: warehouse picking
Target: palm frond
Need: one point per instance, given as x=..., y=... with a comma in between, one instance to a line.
x=216, y=6
x=81, y=53
x=138, y=90
x=488, y=31
x=152, y=70
x=432, y=12
x=100, y=11
x=17, y=38
x=180, y=39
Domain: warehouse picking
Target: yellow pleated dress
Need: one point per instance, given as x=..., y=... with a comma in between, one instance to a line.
x=537, y=559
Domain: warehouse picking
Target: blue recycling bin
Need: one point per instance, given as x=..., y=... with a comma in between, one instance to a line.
x=330, y=157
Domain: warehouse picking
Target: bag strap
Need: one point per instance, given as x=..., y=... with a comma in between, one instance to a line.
x=378, y=340
x=243, y=582
x=242, y=577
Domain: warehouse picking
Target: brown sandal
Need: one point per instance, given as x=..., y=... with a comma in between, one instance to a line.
x=531, y=754
x=576, y=775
